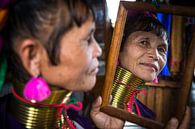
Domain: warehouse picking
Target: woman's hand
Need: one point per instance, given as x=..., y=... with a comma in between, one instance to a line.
x=173, y=123
x=102, y=120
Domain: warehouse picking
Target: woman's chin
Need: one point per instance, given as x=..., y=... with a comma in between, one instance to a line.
x=90, y=85
x=148, y=78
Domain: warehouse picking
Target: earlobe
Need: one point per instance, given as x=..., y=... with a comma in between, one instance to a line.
x=29, y=53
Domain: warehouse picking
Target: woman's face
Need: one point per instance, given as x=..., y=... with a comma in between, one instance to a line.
x=78, y=60
x=144, y=54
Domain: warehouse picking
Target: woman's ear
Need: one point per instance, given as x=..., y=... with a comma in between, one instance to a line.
x=29, y=52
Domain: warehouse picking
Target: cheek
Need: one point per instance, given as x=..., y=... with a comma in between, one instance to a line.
x=83, y=62
x=135, y=56
x=162, y=62
x=85, y=57
x=74, y=58
x=128, y=62
x=129, y=58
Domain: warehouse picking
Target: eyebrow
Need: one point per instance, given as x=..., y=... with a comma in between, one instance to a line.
x=91, y=31
x=163, y=45
x=143, y=37
x=87, y=35
x=146, y=38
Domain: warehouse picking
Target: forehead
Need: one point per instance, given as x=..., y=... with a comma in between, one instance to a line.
x=87, y=26
x=77, y=33
x=148, y=35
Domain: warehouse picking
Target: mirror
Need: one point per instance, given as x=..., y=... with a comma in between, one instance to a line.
x=169, y=96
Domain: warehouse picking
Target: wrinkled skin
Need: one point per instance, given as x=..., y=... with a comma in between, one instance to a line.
x=144, y=54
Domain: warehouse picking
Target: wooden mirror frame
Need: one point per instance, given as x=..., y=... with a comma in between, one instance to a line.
x=111, y=64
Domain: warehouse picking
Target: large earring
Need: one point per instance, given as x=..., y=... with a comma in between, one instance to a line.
x=36, y=90
x=155, y=80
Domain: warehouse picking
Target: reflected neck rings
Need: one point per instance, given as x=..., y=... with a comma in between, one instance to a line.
x=125, y=88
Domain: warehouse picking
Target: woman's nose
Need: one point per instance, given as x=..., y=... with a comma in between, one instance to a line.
x=97, y=49
x=153, y=54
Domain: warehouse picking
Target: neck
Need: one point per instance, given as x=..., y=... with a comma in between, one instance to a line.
x=125, y=87
x=42, y=115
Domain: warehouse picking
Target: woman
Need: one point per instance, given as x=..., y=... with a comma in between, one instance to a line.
x=51, y=51
x=142, y=57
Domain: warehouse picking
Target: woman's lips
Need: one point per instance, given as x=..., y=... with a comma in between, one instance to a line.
x=150, y=65
x=94, y=71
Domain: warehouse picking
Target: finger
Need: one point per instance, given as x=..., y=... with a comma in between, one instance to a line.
x=110, y=99
x=172, y=124
x=186, y=120
x=96, y=105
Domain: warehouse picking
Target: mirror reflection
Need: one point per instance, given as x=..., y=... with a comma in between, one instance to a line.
x=141, y=58
x=142, y=84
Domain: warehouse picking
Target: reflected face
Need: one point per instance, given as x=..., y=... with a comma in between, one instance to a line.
x=144, y=54
x=78, y=60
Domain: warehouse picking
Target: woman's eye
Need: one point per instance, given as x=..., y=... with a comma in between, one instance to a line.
x=89, y=40
x=162, y=50
x=144, y=43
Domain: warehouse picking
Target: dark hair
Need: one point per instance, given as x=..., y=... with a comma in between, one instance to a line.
x=44, y=20
x=142, y=22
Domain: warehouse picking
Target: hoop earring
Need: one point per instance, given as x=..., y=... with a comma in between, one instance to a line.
x=36, y=90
